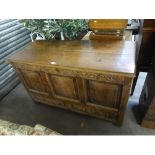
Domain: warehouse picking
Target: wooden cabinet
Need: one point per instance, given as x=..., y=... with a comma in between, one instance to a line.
x=145, y=41
x=89, y=77
x=147, y=99
x=147, y=103
x=145, y=47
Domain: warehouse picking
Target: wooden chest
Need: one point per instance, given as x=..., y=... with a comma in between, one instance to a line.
x=89, y=77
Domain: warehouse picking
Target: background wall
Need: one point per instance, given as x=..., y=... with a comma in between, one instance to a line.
x=13, y=37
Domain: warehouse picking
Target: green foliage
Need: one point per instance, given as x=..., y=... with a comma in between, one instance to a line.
x=51, y=28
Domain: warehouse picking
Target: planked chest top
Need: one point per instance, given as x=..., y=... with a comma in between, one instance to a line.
x=107, y=56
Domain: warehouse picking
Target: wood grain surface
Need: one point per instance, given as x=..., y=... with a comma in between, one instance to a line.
x=89, y=77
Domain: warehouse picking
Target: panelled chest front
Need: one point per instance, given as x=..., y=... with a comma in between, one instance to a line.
x=89, y=77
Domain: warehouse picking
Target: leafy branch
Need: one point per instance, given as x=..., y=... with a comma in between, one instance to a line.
x=52, y=28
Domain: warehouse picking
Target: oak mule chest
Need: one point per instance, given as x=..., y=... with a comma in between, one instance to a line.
x=89, y=77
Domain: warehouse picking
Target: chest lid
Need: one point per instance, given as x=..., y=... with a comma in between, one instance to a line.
x=107, y=56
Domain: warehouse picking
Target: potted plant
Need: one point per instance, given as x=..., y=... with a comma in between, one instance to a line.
x=61, y=29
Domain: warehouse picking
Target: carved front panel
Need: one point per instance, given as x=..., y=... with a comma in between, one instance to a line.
x=34, y=82
x=111, y=78
x=104, y=94
x=63, y=87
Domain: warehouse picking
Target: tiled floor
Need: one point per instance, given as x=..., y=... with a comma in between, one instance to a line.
x=18, y=107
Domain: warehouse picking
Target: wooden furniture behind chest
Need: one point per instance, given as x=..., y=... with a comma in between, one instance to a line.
x=146, y=44
x=145, y=47
x=89, y=77
x=147, y=99
x=107, y=29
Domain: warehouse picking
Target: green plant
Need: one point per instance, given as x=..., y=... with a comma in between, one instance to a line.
x=54, y=28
